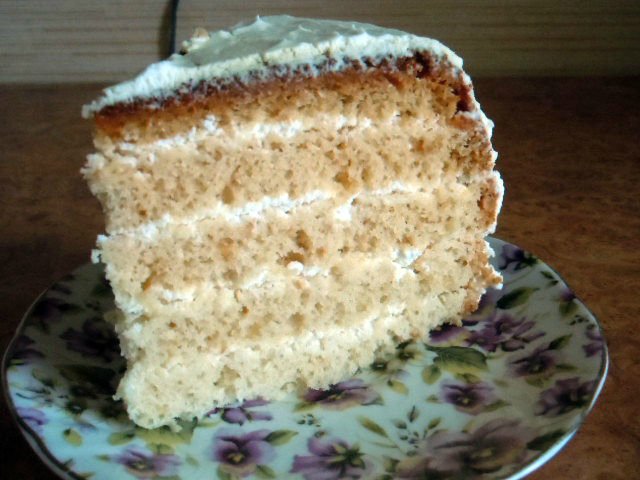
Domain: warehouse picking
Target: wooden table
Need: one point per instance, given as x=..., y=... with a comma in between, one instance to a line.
x=570, y=157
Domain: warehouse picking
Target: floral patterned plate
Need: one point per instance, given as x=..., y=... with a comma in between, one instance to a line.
x=493, y=398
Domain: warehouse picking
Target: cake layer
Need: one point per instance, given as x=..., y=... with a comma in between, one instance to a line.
x=289, y=301
x=372, y=310
x=346, y=129
x=179, y=266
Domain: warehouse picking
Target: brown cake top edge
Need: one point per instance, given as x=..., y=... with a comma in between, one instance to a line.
x=421, y=65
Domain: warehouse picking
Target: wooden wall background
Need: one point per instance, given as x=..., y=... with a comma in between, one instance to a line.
x=102, y=40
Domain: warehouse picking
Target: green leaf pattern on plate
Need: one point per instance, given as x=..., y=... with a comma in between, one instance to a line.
x=505, y=387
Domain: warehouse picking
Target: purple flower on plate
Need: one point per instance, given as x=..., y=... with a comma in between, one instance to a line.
x=504, y=331
x=240, y=453
x=498, y=443
x=471, y=398
x=96, y=339
x=566, y=301
x=513, y=258
x=564, y=396
x=243, y=412
x=33, y=417
x=23, y=351
x=452, y=335
x=343, y=395
x=567, y=295
x=541, y=362
x=330, y=459
x=597, y=342
x=145, y=464
x=486, y=308
x=447, y=334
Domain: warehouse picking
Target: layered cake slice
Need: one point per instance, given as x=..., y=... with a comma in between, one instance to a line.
x=284, y=201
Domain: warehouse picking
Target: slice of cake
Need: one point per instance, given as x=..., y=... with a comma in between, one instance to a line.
x=284, y=201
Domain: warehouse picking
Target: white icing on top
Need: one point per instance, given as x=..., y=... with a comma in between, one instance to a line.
x=265, y=43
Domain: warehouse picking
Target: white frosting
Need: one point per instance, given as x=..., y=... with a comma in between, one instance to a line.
x=177, y=296
x=343, y=212
x=259, y=131
x=403, y=261
x=307, y=271
x=266, y=43
x=250, y=210
x=405, y=257
x=390, y=318
x=257, y=281
x=282, y=204
x=397, y=187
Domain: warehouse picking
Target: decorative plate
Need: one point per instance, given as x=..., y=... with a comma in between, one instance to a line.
x=494, y=398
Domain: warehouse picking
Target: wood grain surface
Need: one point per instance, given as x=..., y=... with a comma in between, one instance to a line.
x=570, y=157
x=107, y=40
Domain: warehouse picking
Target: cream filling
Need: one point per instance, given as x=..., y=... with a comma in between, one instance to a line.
x=258, y=131
x=305, y=271
x=374, y=327
x=402, y=261
x=282, y=204
x=343, y=212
